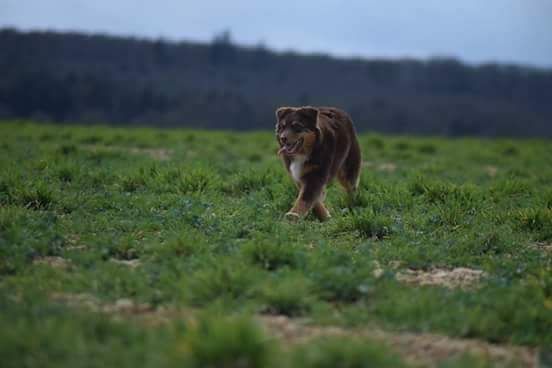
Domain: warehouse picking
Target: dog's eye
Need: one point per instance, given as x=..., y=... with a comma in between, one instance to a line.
x=297, y=128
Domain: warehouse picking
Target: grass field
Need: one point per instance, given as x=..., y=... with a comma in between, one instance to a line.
x=165, y=248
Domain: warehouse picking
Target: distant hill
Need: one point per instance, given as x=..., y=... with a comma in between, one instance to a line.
x=82, y=78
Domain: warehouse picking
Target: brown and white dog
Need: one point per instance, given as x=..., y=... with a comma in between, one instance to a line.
x=316, y=145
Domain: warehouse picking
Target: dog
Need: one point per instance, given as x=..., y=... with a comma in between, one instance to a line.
x=317, y=144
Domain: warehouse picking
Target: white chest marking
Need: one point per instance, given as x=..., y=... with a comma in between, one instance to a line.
x=296, y=167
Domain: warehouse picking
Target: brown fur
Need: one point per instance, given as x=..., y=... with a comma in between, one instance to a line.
x=317, y=144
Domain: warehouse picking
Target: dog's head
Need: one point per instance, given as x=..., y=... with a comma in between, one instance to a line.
x=296, y=130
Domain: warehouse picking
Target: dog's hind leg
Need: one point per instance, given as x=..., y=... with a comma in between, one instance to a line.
x=349, y=172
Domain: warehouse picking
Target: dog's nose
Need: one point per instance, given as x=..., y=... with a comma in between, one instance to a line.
x=283, y=139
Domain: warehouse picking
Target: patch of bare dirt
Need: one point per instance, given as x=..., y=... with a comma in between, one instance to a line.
x=378, y=270
x=423, y=349
x=160, y=154
x=131, y=263
x=72, y=239
x=76, y=247
x=73, y=242
x=460, y=277
x=54, y=262
x=387, y=167
x=123, y=307
x=491, y=170
x=456, y=278
x=120, y=306
x=384, y=166
x=543, y=247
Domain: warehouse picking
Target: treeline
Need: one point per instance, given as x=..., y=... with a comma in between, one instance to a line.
x=69, y=77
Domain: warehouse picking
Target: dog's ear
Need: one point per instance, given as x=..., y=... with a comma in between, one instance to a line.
x=309, y=115
x=310, y=119
x=282, y=112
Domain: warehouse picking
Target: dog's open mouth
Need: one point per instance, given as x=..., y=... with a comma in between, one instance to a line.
x=291, y=148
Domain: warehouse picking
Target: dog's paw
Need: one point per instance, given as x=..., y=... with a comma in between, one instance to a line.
x=325, y=217
x=292, y=217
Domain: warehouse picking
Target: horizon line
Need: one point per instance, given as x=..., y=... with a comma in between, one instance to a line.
x=281, y=51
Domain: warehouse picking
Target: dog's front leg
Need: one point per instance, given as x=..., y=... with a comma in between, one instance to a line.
x=320, y=211
x=310, y=193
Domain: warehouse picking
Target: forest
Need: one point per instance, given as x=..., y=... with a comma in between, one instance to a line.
x=91, y=79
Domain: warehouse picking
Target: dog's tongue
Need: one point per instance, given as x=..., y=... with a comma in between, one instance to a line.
x=286, y=149
x=291, y=148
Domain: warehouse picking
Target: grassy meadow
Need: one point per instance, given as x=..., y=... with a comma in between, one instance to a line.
x=168, y=248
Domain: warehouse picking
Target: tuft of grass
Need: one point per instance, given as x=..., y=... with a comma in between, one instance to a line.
x=343, y=284
x=6, y=190
x=494, y=242
x=272, y=255
x=91, y=139
x=537, y=221
x=67, y=149
x=280, y=195
x=510, y=187
x=402, y=146
x=359, y=199
x=225, y=342
x=133, y=183
x=510, y=151
x=547, y=200
x=67, y=173
x=453, y=215
x=427, y=148
x=255, y=157
x=35, y=197
x=247, y=182
x=441, y=192
x=195, y=181
x=290, y=296
x=229, y=281
x=340, y=352
x=183, y=246
x=376, y=143
x=125, y=249
x=367, y=224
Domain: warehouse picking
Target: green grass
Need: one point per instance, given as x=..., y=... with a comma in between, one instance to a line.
x=207, y=228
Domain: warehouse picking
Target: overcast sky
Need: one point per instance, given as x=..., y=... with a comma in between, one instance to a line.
x=476, y=31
